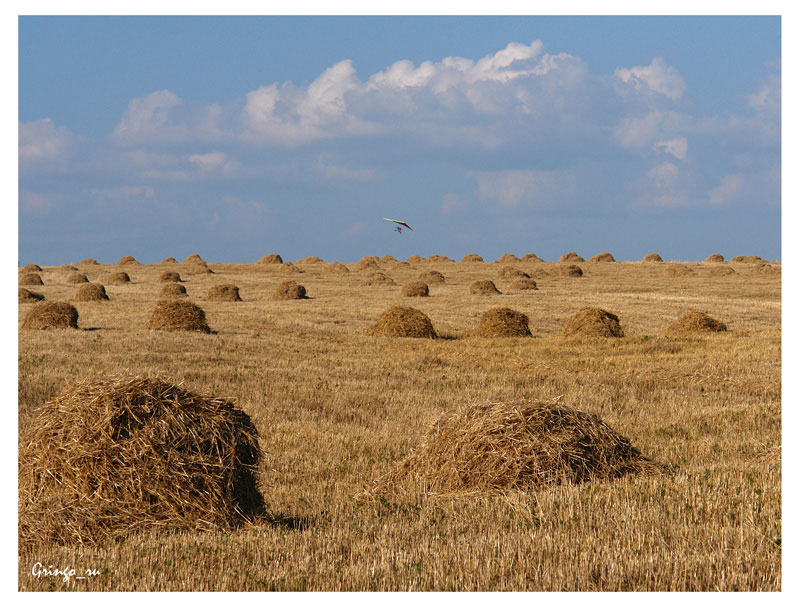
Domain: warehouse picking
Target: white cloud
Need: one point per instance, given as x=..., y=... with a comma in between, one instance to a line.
x=664, y=174
x=148, y=117
x=509, y=188
x=43, y=140
x=677, y=147
x=729, y=189
x=647, y=130
x=658, y=77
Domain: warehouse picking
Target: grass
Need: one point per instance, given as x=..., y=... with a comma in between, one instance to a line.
x=336, y=409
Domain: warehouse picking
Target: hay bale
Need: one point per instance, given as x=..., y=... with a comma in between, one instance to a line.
x=405, y=322
x=567, y=271
x=172, y=289
x=289, y=290
x=270, y=259
x=431, y=277
x=119, y=278
x=438, y=258
x=544, y=273
x=415, y=258
x=530, y=257
x=501, y=447
x=696, y=321
x=571, y=257
x=88, y=261
x=114, y=455
x=403, y=265
x=502, y=322
x=594, y=322
x=310, y=260
x=472, y=258
x=507, y=258
x=48, y=315
x=676, y=270
x=715, y=258
x=177, y=315
x=31, y=268
x=30, y=279
x=335, y=268
x=414, y=288
x=368, y=264
x=378, y=279
x=77, y=278
x=27, y=296
x=511, y=273
x=483, y=287
x=128, y=260
x=289, y=268
x=193, y=258
x=68, y=267
x=747, y=259
x=168, y=260
x=170, y=276
x=603, y=257
x=224, y=292
x=197, y=268
x=90, y=292
x=721, y=271
x=523, y=283
x=652, y=258
x=388, y=258
x=764, y=268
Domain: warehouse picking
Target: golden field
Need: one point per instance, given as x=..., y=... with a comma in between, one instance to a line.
x=336, y=409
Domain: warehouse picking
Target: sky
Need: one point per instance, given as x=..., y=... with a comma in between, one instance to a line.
x=236, y=137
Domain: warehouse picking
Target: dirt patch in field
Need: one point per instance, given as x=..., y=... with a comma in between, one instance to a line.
x=502, y=322
x=114, y=455
x=696, y=321
x=289, y=290
x=177, y=315
x=593, y=322
x=414, y=288
x=49, y=315
x=30, y=279
x=405, y=322
x=27, y=296
x=501, y=447
x=483, y=287
x=224, y=292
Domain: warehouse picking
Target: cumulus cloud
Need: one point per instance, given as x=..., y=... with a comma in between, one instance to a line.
x=43, y=140
x=647, y=130
x=658, y=78
x=677, y=147
x=729, y=190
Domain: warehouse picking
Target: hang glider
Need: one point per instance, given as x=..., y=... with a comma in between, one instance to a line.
x=405, y=224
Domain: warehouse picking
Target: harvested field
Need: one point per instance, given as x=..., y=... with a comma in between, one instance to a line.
x=675, y=270
x=721, y=270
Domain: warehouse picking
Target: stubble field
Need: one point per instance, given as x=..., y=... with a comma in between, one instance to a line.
x=336, y=409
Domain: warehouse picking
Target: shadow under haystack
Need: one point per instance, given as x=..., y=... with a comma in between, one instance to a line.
x=112, y=456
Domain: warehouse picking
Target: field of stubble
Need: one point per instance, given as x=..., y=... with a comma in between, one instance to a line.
x=336, y=408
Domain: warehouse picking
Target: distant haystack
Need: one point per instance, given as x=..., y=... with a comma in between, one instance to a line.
x=747, y=259
x=224, y=292
x=335, y=268
x=414, y=288
x=595, y=322
x=571, y=257
x=696, y=321
x=88, y=261
x=502, y=322
x=652, y=258
x=388, y=258
x=431, y=277
x=77, y=278
x=30, y=279
x=472, y=258
x=90, y=292
x=310, y=260
x=170, y=276
x=367, y=264
x=530, y=257
x=676, y=270
x=128, y=260
x=415, y=258
x=544, y=273
x=378, y=279
x=31, y=268
x=68, y=267
x=507, y=258
x=26, y=296
x=193, y=258
x=511, y=273
x=270, y=259
x=603, y=257
x=402, y=264
x=567, y=271
x=178, y=315
x=119, y=278
x=168, y=260
x=715, y=258
x=765, y=268
x=172, y=289
x=523, y=283
x=196, y=267
x=48, y=315
x=721, y=271
x=289, y=268
x=484, y=287
x=289, y=290
x=405, y=322
x=438, y=258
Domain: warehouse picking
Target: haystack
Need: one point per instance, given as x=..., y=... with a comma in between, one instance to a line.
x=502, y=322
x=224, y=292
x=415, y=258
x=484, y=287
x=335, y=268
x=367, y=264
x=68, y=267
x=501, y=447
x=438, y=258
x=715, y=258
x=170, y=276
x=172, y=289
x=168, y=260
x=128, y=260
x=603, y=257
x=27, y=296
x=472, y=258
x=721, y=271
x=765, y=268
x=119, y=278
x=747, y=259
x=289, y=268
x=193, y=258
x=90, y=292
x=523, y=283
x=652, y=258
x=77, y=278
x=593, y=322
x=177, y=315
x=30, y=279
x=675, y=270
x=696, y=321
x=197, y=267
x=414, y=288
x=507, y=258
x=289, y=290
x=31, y=268
x=431, y=277
x=571, y=257
x=388, y=258
x=48, y=315
x=88, y=261
x=567, y=271
x=378, y=279
x=530, y=257
x=511, y=273
x=119, y=454
x=544, y=273
x=270, y=259
x=403, y=322
x=311, y=260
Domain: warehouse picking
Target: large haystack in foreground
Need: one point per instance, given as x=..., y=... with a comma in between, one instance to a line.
x=696, y=321
x=502, y=322
x=50, y=315
x=176, y=315
x=112, y=456
x=403, y=322
x=224, y=292
x=289, y=290
x=501, y=447
x=593, y=322
x=90, y=292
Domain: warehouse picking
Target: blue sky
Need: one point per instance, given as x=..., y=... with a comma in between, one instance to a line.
x=234, y=137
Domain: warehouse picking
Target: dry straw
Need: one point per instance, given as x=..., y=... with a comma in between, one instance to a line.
x=119, y=278
x=196, y=267
x=128, y=260
x=289, y=268
x=721, y=270
x=675, y=270
x=68, y=267
x=603, y=257
x=90, y=292
x=388, y=258
x=194, y=258
x=171, y=276
x=530, y=257
x=431, y=277
x=765, y=268
x=507, y=258
x=593, y=322
x=378, y=279
x=88, y=261
x=715, y=258
x=696, y=321
x=49, y=315
x=311, y=260
x=567, y=271
x=747, y=259
x=472, y=258
x=414, y=288
x=502, y=447
x=511, y=273
x=224, y=292
x=177, y=315
x=415, y=258
x=172, y=289
x=289, y=290
x=30, y=279
x=652, y=258
x=438, y=258
x=484, y=287
x=115, y=455
x=168, y=260
x=368, y=264
x=77, y=278
x=403, y=322
x=270, y=259
x=571, y=257
x=523, y=283
x=335, y=267
x=31, y=267
x=26, y=296
x=502, y=322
